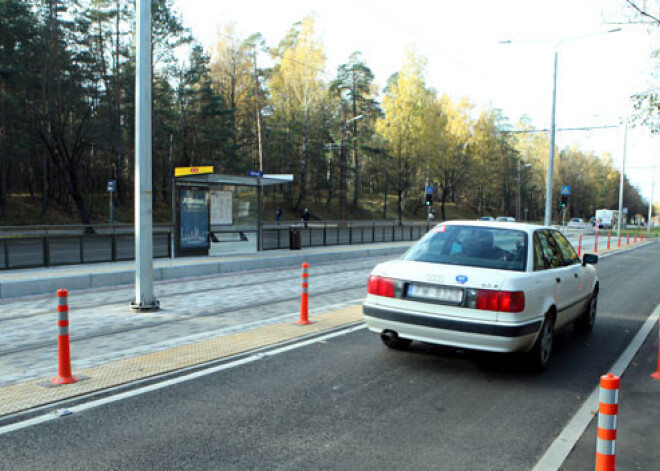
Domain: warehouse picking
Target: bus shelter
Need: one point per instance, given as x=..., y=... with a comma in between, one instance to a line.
x=215, y=214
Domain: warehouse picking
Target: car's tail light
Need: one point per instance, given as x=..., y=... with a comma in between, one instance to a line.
x=511, y=301
x=381, y=286
x=490, y=300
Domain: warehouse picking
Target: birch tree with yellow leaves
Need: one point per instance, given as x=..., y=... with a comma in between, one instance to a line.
x=405, y=105
x=298, y=90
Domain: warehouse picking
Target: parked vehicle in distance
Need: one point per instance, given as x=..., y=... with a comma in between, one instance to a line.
x=576, y=223
x=505, y=219
x=486, y=218
x=484, y=286
x=605, y=218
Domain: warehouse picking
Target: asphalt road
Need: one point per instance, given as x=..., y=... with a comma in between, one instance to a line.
x=350, y=403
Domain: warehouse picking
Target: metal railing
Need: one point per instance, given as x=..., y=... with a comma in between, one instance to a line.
x=46, y=246
x=322, y=234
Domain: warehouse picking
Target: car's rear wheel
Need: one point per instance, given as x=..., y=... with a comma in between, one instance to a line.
x=588, y=318
x=539, y=355
x=392, y=340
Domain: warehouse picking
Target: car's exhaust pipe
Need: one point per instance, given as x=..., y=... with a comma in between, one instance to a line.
x=389, y=335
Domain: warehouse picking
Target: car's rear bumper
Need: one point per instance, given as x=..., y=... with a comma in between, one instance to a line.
x=489, y=336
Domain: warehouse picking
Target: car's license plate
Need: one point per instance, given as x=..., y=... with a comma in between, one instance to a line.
x=434, y=293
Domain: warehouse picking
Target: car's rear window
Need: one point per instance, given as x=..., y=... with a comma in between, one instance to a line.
x=486, y=247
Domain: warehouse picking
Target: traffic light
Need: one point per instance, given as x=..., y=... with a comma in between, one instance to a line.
x=429, y=199
x=564, y=201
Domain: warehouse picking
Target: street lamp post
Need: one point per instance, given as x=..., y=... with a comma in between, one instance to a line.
x=623, y=172
x=551, y=152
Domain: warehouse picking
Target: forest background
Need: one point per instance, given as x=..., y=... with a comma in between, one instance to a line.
x=67, y=103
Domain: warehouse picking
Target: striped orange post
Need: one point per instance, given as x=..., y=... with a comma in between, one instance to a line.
x=656, y=375
x=619, y=244
x=608, y=409
x=64, y=374
x=304, y=300
x=635, y=241
x=579, y=246
x=596, y=243
x=609, y=233
x=627, y=238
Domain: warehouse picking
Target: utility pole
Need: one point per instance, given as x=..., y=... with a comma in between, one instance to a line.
x=145, y=300
x=623, y=171
x=648, y=223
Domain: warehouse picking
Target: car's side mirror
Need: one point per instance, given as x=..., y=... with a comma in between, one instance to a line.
x=590, y=258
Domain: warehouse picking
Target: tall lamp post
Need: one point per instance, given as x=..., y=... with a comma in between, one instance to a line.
x=551, y=154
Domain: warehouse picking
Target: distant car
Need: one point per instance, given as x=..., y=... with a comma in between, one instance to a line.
x=486, y=218
x=505, y=219
x=576, y=223
x=484, y=286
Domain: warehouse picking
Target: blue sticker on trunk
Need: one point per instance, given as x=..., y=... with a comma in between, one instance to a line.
x=462, y=279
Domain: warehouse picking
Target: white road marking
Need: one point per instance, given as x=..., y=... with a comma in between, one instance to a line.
x=554, y=456
x=179, y=379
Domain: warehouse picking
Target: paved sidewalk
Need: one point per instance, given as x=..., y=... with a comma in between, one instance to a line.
x=638, y=421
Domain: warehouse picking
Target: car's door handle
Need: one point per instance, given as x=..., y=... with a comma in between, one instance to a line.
x=558, y=280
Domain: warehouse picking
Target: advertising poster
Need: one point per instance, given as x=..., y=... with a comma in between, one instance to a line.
x=194, y=219
x=221, y=208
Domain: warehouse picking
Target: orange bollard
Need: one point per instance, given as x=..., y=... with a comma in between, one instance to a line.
x=656, y=375
x=641, y=234
x=619, y=244
x=627, y=238
x=635, y=241
x=64, y=375
x=596, y=243
x=609, y=233
x=608, y=409
x=304, y=300
x=579, y=245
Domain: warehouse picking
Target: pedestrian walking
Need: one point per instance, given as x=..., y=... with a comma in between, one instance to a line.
x=305, y=217
x=278, y=214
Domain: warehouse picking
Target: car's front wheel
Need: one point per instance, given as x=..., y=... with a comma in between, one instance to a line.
x=392, y=340
x=539, y=355
x=588, y=318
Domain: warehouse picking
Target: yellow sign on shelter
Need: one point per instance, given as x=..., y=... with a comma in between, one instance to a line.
x=182, y=171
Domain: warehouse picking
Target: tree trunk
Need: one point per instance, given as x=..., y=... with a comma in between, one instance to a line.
x=3, y=146
x=302, y=194
x=119, y=162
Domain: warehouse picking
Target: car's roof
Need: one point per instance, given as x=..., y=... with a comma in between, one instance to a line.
x=521, y=226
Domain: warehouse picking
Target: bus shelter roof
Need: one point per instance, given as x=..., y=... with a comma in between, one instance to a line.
x=220, y=179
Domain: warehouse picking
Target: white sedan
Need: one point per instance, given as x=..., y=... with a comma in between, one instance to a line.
x=493, y=286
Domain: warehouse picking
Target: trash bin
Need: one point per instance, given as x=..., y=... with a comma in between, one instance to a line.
x=294, y=238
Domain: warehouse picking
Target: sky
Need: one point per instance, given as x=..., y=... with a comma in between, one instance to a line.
x=466, y=56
